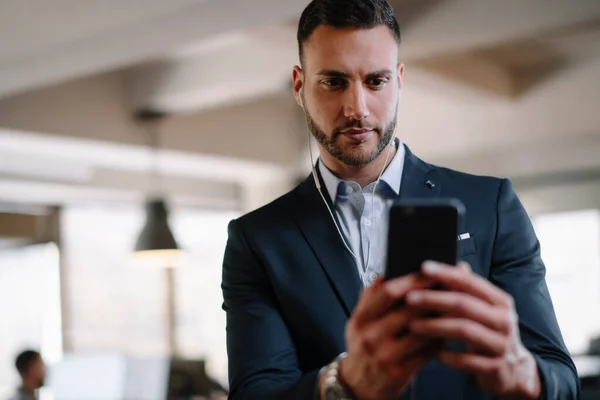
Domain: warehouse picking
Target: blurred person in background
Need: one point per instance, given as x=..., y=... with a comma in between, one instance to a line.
x=32, y=369
x=308, y=315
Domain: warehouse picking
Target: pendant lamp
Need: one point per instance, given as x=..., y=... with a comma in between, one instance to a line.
x=156, y=244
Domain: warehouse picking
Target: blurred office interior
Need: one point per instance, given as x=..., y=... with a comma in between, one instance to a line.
x=509, y=88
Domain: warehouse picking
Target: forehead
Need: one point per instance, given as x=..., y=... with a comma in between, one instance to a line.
x=350, y=50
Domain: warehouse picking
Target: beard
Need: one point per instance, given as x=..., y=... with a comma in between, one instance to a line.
x=347, y=156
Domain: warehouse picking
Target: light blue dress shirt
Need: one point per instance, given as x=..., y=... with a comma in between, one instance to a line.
x=360, y=219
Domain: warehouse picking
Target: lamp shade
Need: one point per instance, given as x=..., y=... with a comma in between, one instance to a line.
x=156, y=242
x=156, y=234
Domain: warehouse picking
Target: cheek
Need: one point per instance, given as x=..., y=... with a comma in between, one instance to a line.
x=384, y=107
x=326, y=112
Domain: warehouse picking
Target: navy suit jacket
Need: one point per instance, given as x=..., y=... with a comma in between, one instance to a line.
x=289, y=286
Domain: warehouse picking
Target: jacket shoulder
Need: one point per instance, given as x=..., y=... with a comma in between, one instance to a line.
x=272, y=212
x=464, y=178
x=472, y=188
x=457, y=180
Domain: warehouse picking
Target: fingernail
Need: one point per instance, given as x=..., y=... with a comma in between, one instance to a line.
x=414, y=297
x=431, y=266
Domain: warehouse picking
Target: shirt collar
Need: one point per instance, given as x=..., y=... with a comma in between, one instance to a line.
x=391, y=176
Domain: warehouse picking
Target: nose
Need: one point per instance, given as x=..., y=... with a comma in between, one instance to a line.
x=355, y=105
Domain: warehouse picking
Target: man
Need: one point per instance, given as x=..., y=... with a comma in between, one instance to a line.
x=307, y=316
x=32, y=370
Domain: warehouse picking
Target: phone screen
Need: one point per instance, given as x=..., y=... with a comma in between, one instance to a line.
x=419, y=231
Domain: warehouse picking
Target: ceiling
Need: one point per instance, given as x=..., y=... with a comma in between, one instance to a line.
x=489, y=86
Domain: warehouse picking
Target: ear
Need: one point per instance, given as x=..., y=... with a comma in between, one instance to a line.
x=298, y=83
x=400, y=75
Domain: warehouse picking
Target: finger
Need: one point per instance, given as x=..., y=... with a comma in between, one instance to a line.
x=464, y=267
x=397, y=351
x=455, y=279
x=408, y=367
x=461, y=305
x=389, y=325
x=377, y=300
x=472, y=363
x=473, y=333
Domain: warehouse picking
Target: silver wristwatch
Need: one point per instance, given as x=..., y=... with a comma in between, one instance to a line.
x=334, y=389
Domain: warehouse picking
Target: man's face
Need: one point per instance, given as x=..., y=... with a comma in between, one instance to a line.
x=37, y=372
x=349, y=86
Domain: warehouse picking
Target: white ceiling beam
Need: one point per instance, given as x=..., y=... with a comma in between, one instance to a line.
x=37, y=192
x=256, y=141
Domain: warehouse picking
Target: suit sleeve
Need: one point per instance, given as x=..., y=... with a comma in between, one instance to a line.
x=518, y=269
x=262, y=356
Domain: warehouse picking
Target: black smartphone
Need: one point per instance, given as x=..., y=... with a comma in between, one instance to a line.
x=421, y=230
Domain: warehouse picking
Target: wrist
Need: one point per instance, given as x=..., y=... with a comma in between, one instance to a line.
x=344, y=379
x=331, y=384
x=531, y=383
x=528, y=382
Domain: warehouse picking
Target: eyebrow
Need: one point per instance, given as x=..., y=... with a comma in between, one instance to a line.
x=332, y=73
x=339, y=74
x=381, y=72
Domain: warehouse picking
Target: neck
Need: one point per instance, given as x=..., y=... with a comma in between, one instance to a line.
x=361, y=174
x=28, y=386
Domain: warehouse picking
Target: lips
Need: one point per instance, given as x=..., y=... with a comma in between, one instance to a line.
x=357, y=135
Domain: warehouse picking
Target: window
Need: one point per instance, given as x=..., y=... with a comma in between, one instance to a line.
x=200, y=320
x=112, y=306
x=570, y=245
x=30, y=308
x=115, y=306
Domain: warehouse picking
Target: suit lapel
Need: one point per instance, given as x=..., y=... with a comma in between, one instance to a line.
x=321, y=234
x=417, y=178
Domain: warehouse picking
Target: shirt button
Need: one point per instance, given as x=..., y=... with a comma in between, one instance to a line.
x=349, y=190
x=372, y=277
x=367, y=223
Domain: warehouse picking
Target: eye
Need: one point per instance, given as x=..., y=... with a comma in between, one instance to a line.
x=377, y=83
x=334, y=83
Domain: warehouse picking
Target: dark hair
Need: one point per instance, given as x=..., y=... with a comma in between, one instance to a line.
x=25, y=359
x=359, y=14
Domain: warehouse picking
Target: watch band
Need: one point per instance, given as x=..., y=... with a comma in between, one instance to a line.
x=334, y=387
